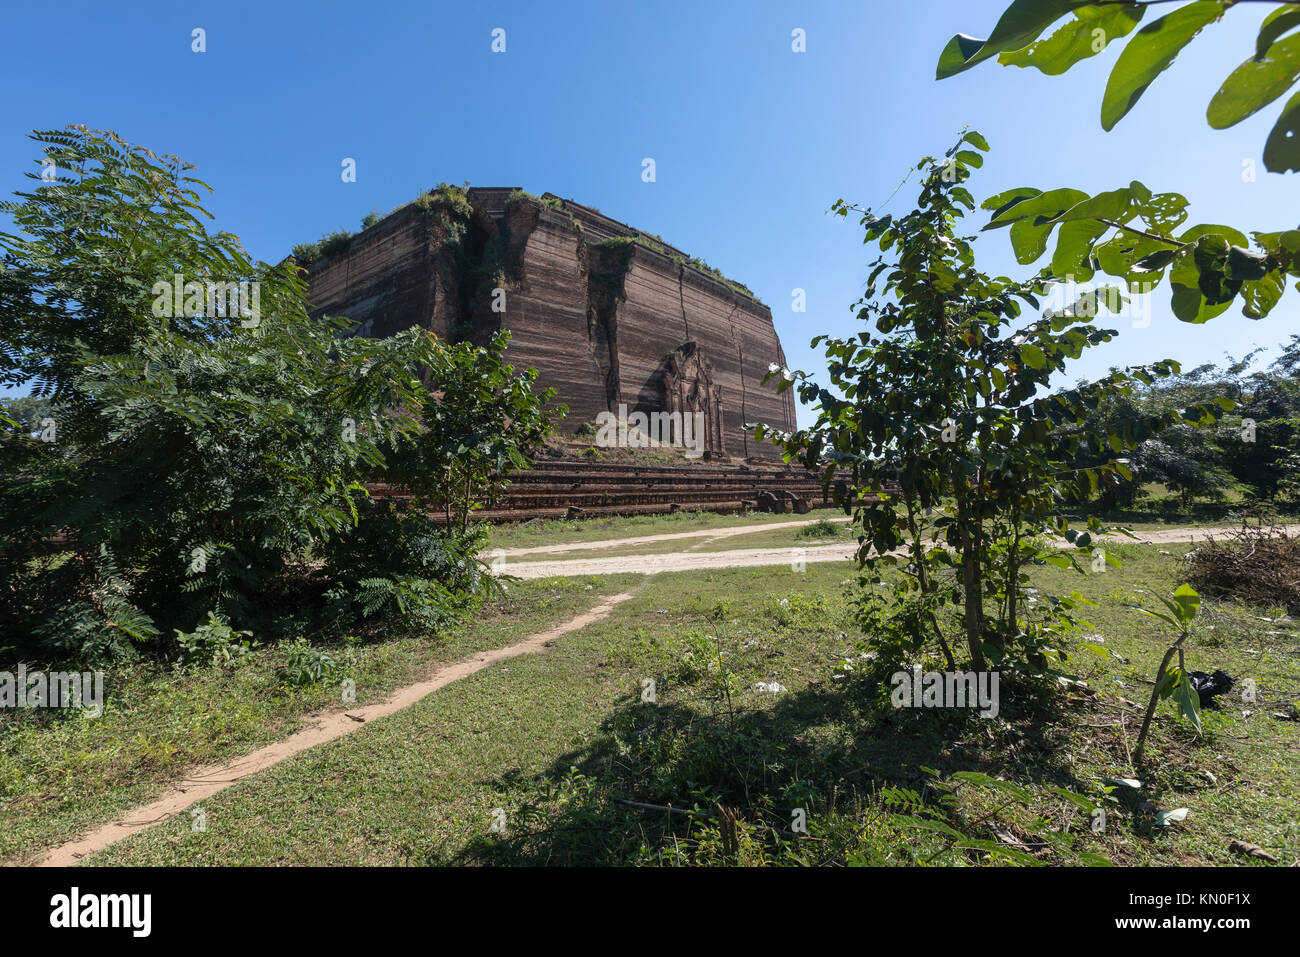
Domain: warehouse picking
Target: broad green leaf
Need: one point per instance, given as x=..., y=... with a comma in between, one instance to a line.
x=1074, y=244
x=1150, y=53
x=1004, y=201
x=1190, y=305
x=1084, y=36
x=1283, y=246
x=976, y=140
x=1109, y=205
x=1282, y=148
x=1210, y=255
x=1163, y=212
x=1020, y=24
x=1043, y=206
x=1188, y=601
x=1188, y=700
x=1277, y=23
x=1156, y=261
x=1244, y=264
x=1034, y=220
x=1033, y=356
x=1255, y=84
x=1261, y=295
x=1233, y=236
x=1120, y=256
x=1168, y=682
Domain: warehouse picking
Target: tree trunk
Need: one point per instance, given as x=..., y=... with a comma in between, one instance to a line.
x=923, y=579
x=973, y=593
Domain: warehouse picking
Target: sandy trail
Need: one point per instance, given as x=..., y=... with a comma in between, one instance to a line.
x=680, y=561
x=745, y=558
x=710, y=533
x=206, y=781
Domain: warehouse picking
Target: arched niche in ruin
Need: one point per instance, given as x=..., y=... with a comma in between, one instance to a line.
x=688, y=388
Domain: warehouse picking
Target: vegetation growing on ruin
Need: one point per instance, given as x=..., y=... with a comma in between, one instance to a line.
x=331, y=244
x=491, y=270
x=656, y=243
x=637, y=239
x=450, y=210
x=699, y=265
x=448, y=204
x=520, y=195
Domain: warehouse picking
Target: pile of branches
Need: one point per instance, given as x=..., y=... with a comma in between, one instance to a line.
x=1257, y=563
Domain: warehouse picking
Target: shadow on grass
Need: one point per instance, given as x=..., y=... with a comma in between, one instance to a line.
x=828, y=750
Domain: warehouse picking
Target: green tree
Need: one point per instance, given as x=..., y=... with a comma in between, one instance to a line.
x=1267, y=434
x=206, y=451
x=487, y=419
x=949, y=401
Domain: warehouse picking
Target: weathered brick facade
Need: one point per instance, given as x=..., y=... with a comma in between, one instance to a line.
x=605, y=321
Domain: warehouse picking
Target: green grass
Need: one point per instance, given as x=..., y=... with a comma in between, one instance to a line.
x=63, y=773
x=561, y=531
x=554, y=739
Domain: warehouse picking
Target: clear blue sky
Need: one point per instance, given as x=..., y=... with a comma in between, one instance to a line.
x=752, y=141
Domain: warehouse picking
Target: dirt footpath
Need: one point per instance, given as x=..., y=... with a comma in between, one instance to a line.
x=666, y=537
x=744, y=558
x=204, y=782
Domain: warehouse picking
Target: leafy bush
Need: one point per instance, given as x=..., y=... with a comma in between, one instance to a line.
x=203, y=461
x=487, y=418
x=308, y=666
x=328, y=245
x=822, y=528
x=398, y=562
x=214, y=643
x=90, y=617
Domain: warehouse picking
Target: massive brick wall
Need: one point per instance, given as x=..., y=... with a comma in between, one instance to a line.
x=396, y=274
x=599, y=317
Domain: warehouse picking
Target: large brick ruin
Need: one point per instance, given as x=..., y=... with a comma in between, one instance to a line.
x=608, y=316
